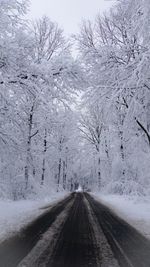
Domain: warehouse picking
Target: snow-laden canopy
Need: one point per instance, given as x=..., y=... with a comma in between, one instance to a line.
x=66, y=122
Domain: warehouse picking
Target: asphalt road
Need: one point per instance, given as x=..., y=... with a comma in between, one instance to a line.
x=129, y=247
x=75, y=246
x=87, y=234
x=13, y=250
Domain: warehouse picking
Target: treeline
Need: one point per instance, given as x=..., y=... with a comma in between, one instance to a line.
x=115, y=122
x=66, y=121
x=39, y=81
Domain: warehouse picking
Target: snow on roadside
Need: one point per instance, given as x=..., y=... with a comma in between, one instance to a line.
x=14, y=215
x=134, y=210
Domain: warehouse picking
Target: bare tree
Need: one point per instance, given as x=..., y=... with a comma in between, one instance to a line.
x=91, y=126
x=49, y=39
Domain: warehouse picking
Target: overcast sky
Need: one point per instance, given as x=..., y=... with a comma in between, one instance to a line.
x=68, y=13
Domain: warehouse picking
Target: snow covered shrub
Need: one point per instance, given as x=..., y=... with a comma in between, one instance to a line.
x=19, y=190
x=129, y=187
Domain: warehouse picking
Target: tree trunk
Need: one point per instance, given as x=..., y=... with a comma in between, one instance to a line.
x=59, y=173
x=98, y=164
x=64, y=170
x=43, y=164
x=121, y=145
x=29, y=138
x=71, y=185
x=43, y=172
x=64, y=173
x=122, y=151
x=99, y=173
x=28, y=157
x=34, y=171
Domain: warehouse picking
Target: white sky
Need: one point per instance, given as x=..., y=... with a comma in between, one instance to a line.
x=68, y=13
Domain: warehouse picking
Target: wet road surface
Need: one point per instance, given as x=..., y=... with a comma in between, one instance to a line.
x=12, y=251
x=90, y=234
x=130, y=248
x=75, y=246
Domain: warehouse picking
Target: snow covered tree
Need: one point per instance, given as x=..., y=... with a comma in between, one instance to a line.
x=115, y=53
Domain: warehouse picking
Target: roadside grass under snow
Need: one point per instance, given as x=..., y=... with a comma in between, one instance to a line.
x=14, y=215
x=134, y=210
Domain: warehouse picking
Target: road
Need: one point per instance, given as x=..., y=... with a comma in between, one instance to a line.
x=12, y=251
x=77, y=232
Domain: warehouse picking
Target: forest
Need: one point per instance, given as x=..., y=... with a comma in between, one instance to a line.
x=75, y=111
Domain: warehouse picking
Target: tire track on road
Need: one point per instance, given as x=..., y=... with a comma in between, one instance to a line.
x=128, y=245
x=75, y=246
x=13, y=250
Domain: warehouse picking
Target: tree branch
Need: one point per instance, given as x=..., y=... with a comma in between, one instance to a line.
x=144, y=129
x=34, y=134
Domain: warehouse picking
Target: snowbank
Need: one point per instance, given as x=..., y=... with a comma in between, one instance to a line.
x=134, y=210
x=14, y=215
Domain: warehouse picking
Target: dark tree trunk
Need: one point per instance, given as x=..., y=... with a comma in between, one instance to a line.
x=71, y=184
x=59, y=173
x=99, y=173
x=34, y=171
x=121, y=145
x=28, y=157
x=29, y=138
x=64, y=175
x=43, y=164
x=122, y=151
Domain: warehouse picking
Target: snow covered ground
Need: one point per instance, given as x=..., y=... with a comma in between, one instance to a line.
x=134, y=210
x=15, y=215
